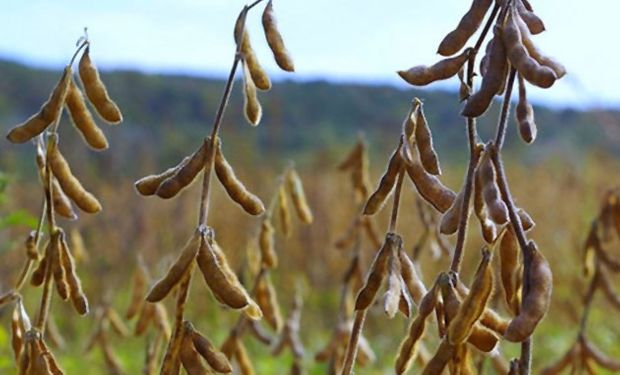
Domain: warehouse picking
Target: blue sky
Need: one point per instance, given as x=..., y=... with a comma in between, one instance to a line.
x=340, y=40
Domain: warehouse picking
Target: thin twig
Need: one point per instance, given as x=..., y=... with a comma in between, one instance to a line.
x=358, y=323
x=396, y=202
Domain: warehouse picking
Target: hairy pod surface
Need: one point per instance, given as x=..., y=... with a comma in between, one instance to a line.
x=184, y=175
x=298, y=197
x=269, y=257
x=274, y=39
x=430, y=187
x=498, y=212
x=534, y=24
x=524, y=114
x=258, y=74
x=216, y=359
x=96, y=92
x=49, y=112
x=148, y=185
x=535, y=53
x=234, y=187
x=386, y=185
x=422, y=75
x=424, y=141
x=83, y=120
x=509, y=267
x=456, y=39
x=251, y=106
x=378, y=271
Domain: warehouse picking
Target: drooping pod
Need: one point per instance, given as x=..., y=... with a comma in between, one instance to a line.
x=535, y=53
x=496, y=71
x=62, y=203
x=83, y=120
x=78, y=298
x=216, y=359
x=187, y=172
x=487, y=226
x=449, y=223
x=68, y=182
x=509, y=267
x=408, y=347
x=392, y=297
x=269, y=257
x=474, y=303
x=378, y=271
x=96, y=92
x=274, y=39
x=424, y=142
x=58, y=271
x=20, y=324
x=430, y=187
x=38, y=274
x=536, y=298
x=251, y=106
x=180, y=266
x=235, y=188
x=533, y=22
x=456, y=39
x=386, y=185
x=487, y=177
x=49, y=112
x=296, y=190
x=148, y=185
x=284, y=214
x=258, y=74
x=268, y=302
x=138, y=289
x=532, y=71
x=525, y=115
x=414, y=283
x=422, y=75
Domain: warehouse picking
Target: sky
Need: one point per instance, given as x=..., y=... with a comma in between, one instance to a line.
x=337, y=40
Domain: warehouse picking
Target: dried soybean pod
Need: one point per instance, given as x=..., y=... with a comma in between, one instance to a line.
x=438, y=363
x=138, y=289
x=215, y=358
x=186, y=174
x=147, y=313
x=190, y=359
x=243, y=359
x=456, y=39
x=38, y=275
x=535, y=300
x=117, y=323
x=258, y=74
x=235, y=188
x=430, y=187
x=525, y=115
x=20, y=324
x=509, y=267
x=68, y=182
x=378, y=271
x=352, y=158
x=49, y=112
x=599, y=357
x=483, y=338
x=266, y=298
x=532, y=71
x=424, y=141
x=487, y=227
x=422, y=75
x=148, y=185
x=536, y=54
x=514, y=365
x=449, y=223
x=284, y=213
x=498, y=212
x=527, y=222
x=407, y=351
x=82, y=119
x=96, y=91
x=533, y=22
x=386, y=185
x=180, y=266
x=480, y=101
x=414, y=283
x=219, y=277
x=393, y=293
x=62, y=204
x=485, y=60
x=296, y=190
x=78, y=299
x=274, y=39
x=474, y=303
x=251, y=106
x=58, y=270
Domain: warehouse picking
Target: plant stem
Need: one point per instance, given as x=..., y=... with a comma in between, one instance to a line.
x=360, y=317
x=396, y=202
x=503, y=117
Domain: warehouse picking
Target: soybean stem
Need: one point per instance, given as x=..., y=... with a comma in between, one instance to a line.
x=396, y=202
x=360, y=317
x=503, y=117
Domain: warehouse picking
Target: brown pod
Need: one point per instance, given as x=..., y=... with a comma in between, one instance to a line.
x=474, y=303
x=274, y=39
x=422, y=75
x=378, y=271
x=58, y=271
x=235, y=188
x=296, y=190
x=534, y=24
x=456, y=39
x=78, y=298
x=38, y=275
x=392, y=297
x=185, y=174
x=414, y=283
x=96, y=91
x=532, y=71
x=284, y=214
x=251, y=106
x=424, y=141
x=527, y=222
x=524, y=114
x=449, y=223
x=138, y=289
x=536, y=54
x=49, y=112
x=386, y=185
x=145, y=317
x=20, y=324
x=83, y=120
x=215, y=358
x=68, y=182
x=497, y=69
x=267, y=300
x=509, y=267
x=148, y=185
x=442, y=356
x=62, y=203
x=535, y=300
x=258, y=74
x=408, y=347
x=219, y=277
x=487, y=227
x=498, y=212
x=352, y=158
x=430, y=187
x=174, y=275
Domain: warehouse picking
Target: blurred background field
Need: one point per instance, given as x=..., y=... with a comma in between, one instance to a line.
x=559, y=181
